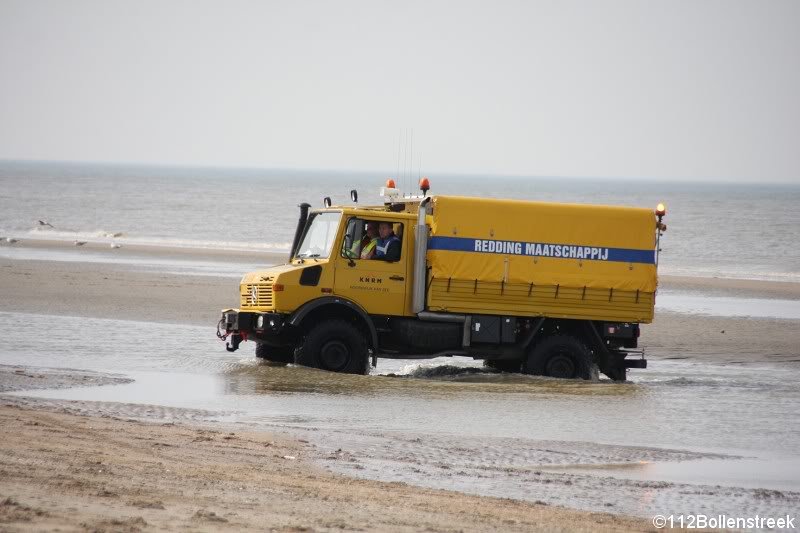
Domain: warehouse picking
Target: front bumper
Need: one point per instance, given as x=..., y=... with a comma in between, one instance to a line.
x=240, y=326
x=252, y=323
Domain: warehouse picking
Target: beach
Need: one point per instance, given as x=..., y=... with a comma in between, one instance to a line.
x=63, y=471
x=110, y=462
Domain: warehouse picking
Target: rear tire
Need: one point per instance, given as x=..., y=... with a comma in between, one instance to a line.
x=277, y=355
x=504, y=365
x=617, y=373
x=334, y=345
x=561, y=356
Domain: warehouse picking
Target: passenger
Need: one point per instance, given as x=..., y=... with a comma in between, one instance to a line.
x=369, y=241
x=388, y=246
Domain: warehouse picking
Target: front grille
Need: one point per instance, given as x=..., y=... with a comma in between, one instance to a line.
x=262, y=293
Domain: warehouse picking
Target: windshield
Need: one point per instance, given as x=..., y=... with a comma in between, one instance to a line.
x=319, y=236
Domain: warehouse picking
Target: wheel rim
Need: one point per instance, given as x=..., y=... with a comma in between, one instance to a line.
x=334, y=355
x=560, y=365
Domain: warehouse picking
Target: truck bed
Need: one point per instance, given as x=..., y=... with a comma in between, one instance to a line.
x=521, y=258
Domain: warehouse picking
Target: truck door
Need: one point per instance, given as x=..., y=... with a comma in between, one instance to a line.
x=377, y=286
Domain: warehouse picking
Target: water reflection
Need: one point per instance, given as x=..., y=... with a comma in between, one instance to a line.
x=449, y=382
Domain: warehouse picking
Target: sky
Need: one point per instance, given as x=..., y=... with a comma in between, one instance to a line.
x=685, y=90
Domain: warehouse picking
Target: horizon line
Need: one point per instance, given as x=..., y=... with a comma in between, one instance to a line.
x=448, y=173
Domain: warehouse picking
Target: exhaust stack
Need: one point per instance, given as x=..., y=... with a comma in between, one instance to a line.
x=301, y=224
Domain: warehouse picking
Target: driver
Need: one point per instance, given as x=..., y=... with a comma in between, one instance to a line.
x=388, y=245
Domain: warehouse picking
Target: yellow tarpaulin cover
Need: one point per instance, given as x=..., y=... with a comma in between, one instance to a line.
x=543, y=243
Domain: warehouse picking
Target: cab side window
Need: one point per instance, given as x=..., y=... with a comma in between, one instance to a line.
x=372, y=239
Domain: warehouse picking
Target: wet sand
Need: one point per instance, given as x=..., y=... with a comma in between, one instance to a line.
x=66, y=467
x=738, y=287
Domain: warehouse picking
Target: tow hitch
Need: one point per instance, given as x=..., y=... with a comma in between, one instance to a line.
x=233, y=345
x=226, y=324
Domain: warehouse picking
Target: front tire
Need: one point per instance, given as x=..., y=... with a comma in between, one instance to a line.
x=334, y=345
x=561, y=356
x=277, y=355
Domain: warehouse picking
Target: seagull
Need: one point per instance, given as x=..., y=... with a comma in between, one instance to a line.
x=115, y=245
x=11, y=240
x=80, y=243
x=46, y=223
x=112, y=235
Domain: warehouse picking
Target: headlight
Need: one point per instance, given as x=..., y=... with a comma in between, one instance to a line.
x=260, y=322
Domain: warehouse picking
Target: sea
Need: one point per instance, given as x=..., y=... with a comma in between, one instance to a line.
x=726, y=230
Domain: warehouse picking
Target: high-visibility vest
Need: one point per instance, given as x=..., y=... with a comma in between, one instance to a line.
x=368, y=248
x=383, y=245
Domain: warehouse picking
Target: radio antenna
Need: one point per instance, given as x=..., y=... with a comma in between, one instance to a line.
x=399, y=137
x=402, y=178
x=405, y=160
x=411, y=162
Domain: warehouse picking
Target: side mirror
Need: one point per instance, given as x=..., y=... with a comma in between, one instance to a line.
x=326, y=201
x=348, y=250
x=354, y=196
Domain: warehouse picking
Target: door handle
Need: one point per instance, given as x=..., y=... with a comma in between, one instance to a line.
x=397, y=278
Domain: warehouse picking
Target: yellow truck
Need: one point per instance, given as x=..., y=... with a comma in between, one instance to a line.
x=535, y=287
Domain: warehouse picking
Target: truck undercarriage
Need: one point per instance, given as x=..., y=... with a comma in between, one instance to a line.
x=344, y=342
